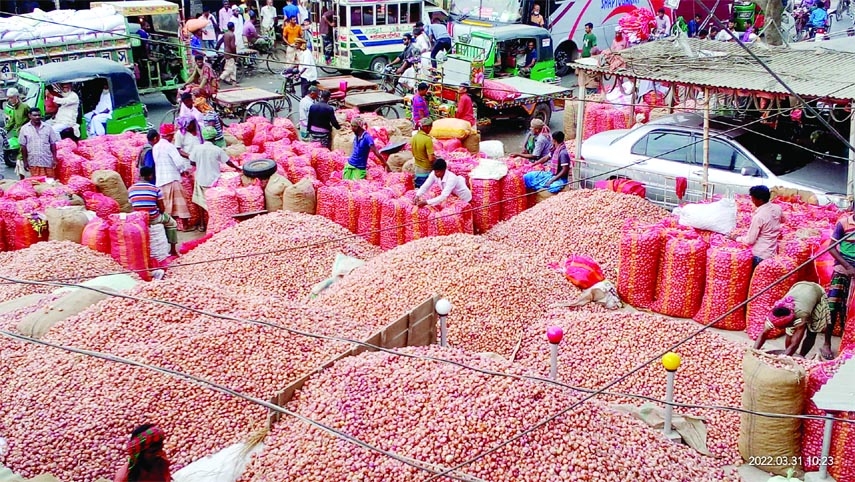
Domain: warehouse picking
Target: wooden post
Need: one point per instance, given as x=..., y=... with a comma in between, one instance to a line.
x=580, y=127
x=705, y=184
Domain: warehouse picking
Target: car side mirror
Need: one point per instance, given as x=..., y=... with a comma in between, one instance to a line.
x=750, y=171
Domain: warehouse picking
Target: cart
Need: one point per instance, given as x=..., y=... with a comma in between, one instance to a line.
x=354, y=84
x=241, y=103
x=383, y=103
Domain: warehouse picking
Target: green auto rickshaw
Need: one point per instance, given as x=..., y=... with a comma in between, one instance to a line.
x=87, y=77
x=503, y=51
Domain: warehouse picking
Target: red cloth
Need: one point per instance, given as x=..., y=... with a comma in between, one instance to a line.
x=682, y=185
x=167, y=129
x=465, y=110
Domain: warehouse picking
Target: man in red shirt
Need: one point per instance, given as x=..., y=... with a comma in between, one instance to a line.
x=465, y=110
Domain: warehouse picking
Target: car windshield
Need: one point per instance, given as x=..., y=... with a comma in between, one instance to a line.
x=493, y=10
x=29, y=92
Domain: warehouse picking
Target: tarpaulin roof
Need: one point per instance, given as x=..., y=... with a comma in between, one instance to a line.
x=820, y=73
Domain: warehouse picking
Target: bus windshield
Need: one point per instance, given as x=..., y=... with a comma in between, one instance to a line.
x=506, y=11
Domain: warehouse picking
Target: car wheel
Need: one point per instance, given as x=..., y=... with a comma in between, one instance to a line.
x=259, y=169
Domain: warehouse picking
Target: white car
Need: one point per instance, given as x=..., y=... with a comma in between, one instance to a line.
x=657, y=153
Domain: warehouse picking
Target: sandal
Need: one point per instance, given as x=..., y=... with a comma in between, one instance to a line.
x=826, y=354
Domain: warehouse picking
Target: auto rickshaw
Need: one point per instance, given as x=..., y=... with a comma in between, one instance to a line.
x=87, y=77
x=502, y=49
x=163, y=60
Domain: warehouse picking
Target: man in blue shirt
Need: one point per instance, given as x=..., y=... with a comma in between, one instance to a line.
x=291, y=10
x=530, y=59
x=363, y=144
x=694, y=26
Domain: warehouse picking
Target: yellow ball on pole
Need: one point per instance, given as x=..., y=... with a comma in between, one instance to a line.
x=671, y=361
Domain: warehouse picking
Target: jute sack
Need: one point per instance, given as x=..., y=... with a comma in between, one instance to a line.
x=235, y=150
x=36, y=324
x=16, y=304
x=403, y=126
x=299, y=197
x=111, y=185
x=398, y=159
x=66, y=223
x=409, y=166
x=571, y=107
x=772, y=390
x=342, y=141
x=230, y=139
x=472, y=143
x=273, y=192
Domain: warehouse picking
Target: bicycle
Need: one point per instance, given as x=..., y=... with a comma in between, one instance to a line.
x=290, y=82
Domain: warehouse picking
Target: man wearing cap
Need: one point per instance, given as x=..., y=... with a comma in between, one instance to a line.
x=308, y=69
x=268, y=19
x=229, y=43
x=16, y=111
x=322, y=120
x=168, y=166
x=420, y=105
x=363, y=144
x=96, y=120
x=536, y=145
x=305, y=104
x=208, y=159
x=237, y=19
x=620, y=42
x=422, y=147
x=38, y=146
x=465, y=108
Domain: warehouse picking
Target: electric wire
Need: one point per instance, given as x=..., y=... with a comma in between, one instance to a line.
x=234, y=393
x=722, y=134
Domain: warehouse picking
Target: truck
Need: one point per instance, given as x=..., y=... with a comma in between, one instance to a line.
x=489, y=55
x=107, y=30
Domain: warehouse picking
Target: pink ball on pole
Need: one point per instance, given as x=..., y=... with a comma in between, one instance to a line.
x=554, y=334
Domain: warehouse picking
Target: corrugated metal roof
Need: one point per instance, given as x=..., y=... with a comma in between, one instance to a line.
x=821, y=73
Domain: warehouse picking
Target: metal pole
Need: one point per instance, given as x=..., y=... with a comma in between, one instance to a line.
x=553, y=361
x=705, y=184
x=442, y=332
x=669, y=397
x=826, y=448
x=580, y=127
x=850, y=180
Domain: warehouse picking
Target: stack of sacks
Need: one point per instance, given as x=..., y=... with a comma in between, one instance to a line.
x=23, y=207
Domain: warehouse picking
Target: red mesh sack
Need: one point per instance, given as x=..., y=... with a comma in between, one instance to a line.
x=126, y=154
x=129, y=242
x=104, y=162
x=513, y=194
x=222, y=205
x=486, y=196
x=370, y=207
x=285, y=123
x=728, y=277
x=326, y=202
x=847, y=333
x=68, y=164
x=22, y=225
x=103, y=205
x=345, y=211
x=767, y=272
x=680, y=285
x=451, y=219
x=393, y=214
x=842, y=435
x=798, y=246
x=640, y=250
x=96, y=236
x=824, y=263
x=21, y=190
x=250, y=198
x=243, y=132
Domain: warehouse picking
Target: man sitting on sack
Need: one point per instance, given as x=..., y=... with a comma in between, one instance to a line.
x=802, y=313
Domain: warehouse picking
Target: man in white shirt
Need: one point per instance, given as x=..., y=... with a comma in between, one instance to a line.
x=209, y=33
x=728, y=34
x=66, y=115
x=422, y=42
x=308, y=69
x=168, y=167
x=237, y=19
x=451, y=184
x=96, y=120
x=306, y=104
x=208, y=159
x=268, y=19
x=663, y=23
